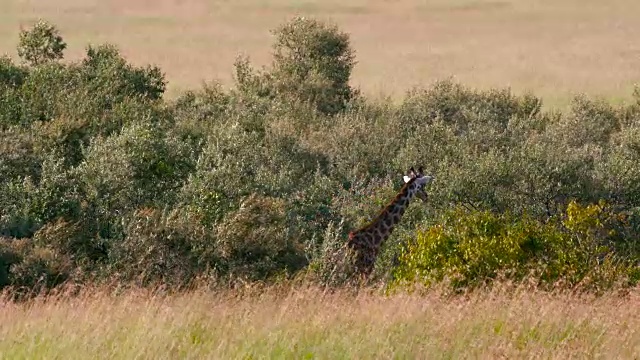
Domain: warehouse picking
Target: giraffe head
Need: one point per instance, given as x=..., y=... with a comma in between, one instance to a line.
x=418, y=182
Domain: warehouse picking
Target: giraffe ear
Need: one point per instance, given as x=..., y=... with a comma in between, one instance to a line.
x=410, y=175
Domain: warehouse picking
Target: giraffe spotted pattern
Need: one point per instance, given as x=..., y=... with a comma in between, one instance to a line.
x=366, y=241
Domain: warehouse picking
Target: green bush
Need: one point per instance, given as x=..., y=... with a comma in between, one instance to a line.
x=76, y=241
x=11, y=75
x=27, y=205
x=110, y=78
x=29, y=269
x=313, y=62
x=8, y=256
x=330, y=262
x=19, y=157
x=162, y=247
x=619, y=172
x=138, y=167
x=256, y=242
x=101, y=178
x=451, y=103
x=63, y=138
x=589, y=121
x=40, y=44
x=208, y=105
x=85, y=90
x=469, y=249
x=48, y=93
x=11, y=79
x=56, y=195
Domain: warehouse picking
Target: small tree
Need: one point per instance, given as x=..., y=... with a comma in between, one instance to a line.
x=41, y=44
x=313, y=63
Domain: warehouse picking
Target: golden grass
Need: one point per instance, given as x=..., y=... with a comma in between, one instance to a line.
x=553, y=48
x=309, y=323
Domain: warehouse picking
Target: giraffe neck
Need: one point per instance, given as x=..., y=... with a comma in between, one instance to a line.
x=367, y=240
x=382, y=226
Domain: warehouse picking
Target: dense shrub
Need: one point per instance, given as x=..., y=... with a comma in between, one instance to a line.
x=11, y=75
x=8, y=256
x=163, y=247
x=100, y=178
x=471, y=248
x=331, y=264
x=40, y=44
x=27, y=205
x=207, y=106
x=111, y=78
x=11, y=79
x=47, y=93
x=313, y=62
x=141, y=166
x=86, y=90
x=19, y=157
x=256, y=242
x=29, y=269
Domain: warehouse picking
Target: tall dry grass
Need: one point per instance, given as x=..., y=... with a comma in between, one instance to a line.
x=306, y=322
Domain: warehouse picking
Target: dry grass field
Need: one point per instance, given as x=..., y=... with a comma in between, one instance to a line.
x=552, y=47
x=308, y=323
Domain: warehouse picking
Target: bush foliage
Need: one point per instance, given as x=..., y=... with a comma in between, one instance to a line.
x=468, y=248
x=41, y=44
x=101, y=178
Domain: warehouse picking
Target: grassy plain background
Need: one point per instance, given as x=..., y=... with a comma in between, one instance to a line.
x=552, y=47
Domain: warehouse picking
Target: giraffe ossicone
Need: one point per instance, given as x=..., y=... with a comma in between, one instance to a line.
x=366, y=241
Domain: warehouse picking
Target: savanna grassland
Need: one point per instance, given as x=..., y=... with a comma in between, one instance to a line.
x=145, y=213
x=306, y=323
x=553, y=48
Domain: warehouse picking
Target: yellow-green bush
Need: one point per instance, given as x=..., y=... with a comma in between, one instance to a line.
x=470, y=248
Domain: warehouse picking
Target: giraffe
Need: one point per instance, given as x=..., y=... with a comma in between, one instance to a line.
x=366, y=241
